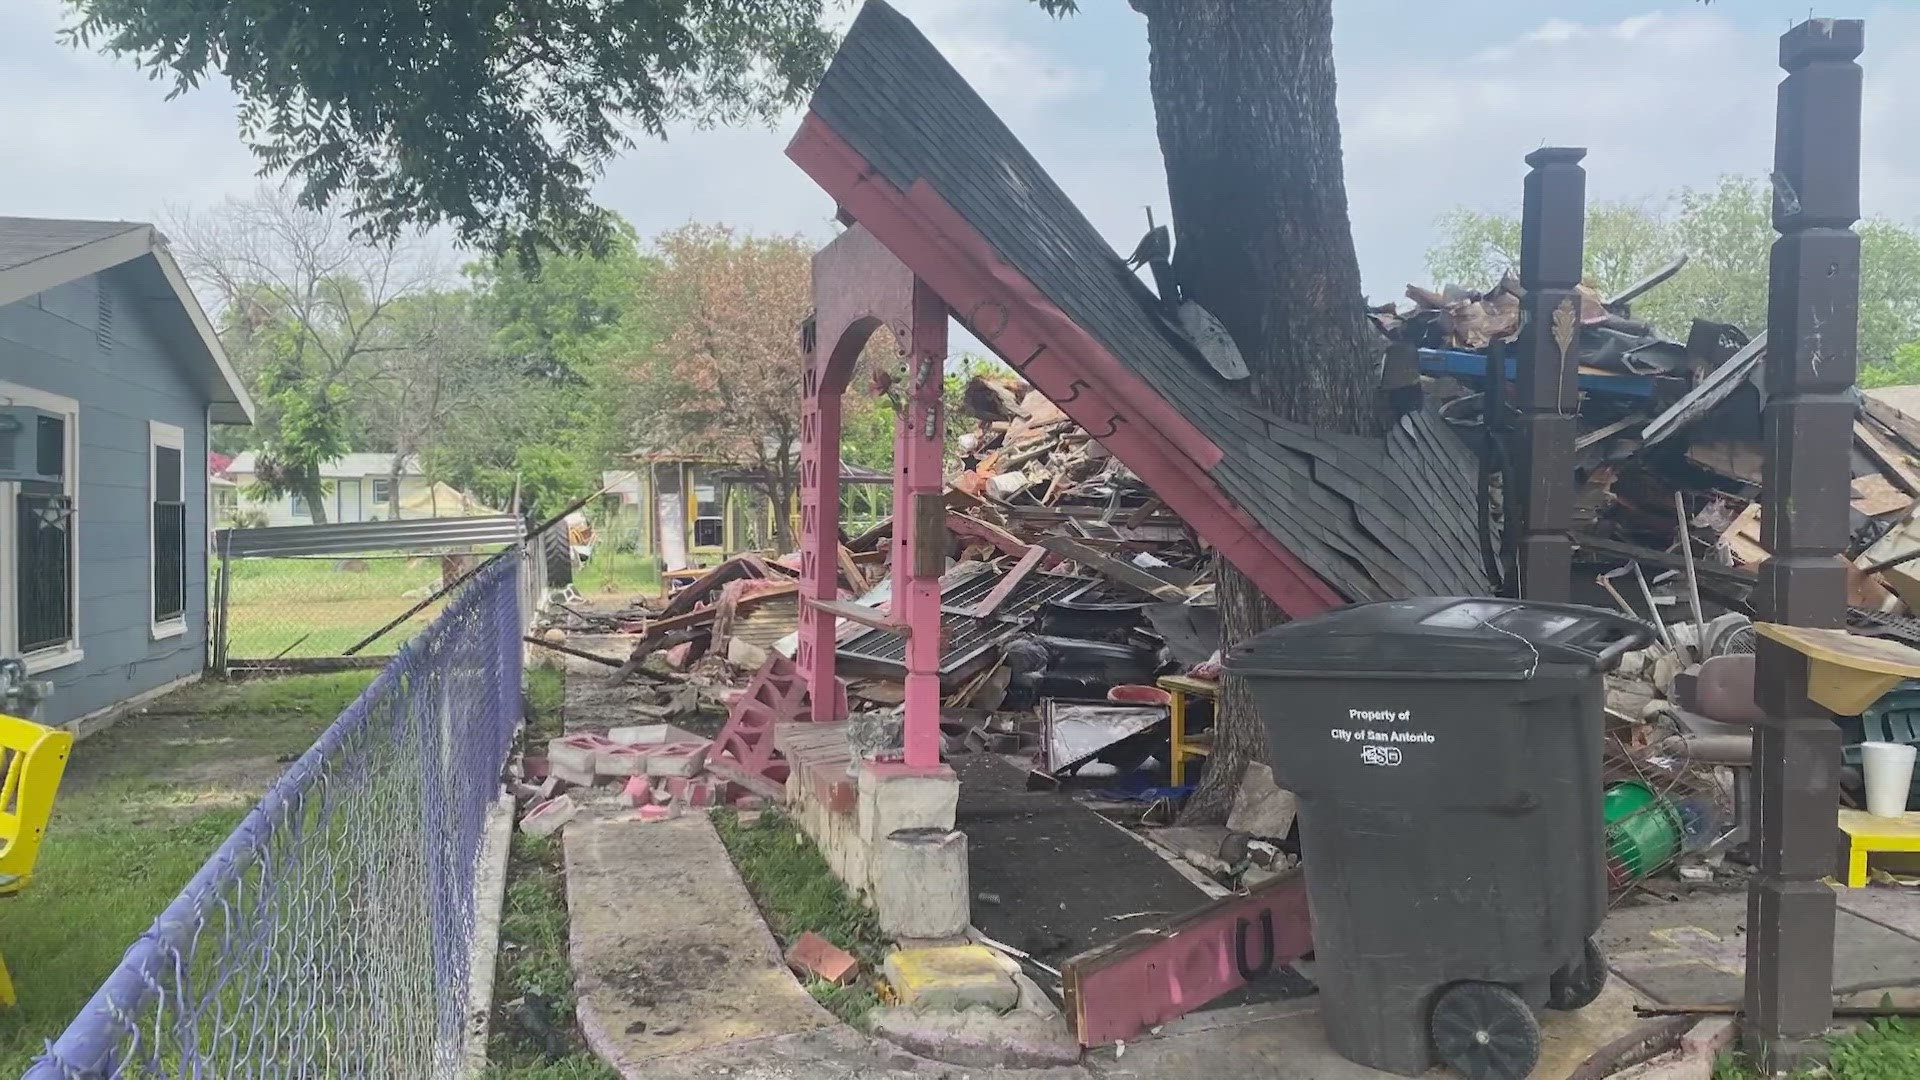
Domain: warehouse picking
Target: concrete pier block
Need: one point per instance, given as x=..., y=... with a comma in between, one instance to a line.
x=894, y=797
x=920, y=883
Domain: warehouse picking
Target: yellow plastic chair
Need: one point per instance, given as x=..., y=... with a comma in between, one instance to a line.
x=35, y=759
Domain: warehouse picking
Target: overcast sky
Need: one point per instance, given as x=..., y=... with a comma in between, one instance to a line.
x=1437, y=104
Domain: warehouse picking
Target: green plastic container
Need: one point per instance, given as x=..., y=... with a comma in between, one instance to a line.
x=1643, y=832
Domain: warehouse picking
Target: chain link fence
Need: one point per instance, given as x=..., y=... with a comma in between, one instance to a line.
x=287, y=597
x=330, y=933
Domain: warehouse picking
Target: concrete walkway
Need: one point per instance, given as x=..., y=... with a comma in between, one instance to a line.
x=678, y=976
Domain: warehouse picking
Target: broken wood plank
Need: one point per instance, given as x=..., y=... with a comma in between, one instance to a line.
x=1875, y=495
x=849, y=569
x=735, y=773
x=1002, y=589
x=1138, y=516
x=1902, y=425
x=1888, y=458
x=1124, y=572
x=865, y=616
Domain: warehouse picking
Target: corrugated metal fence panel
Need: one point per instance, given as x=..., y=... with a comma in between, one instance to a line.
x=360, y=536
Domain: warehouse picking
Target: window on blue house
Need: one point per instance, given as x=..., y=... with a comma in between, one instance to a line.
x=168, y=484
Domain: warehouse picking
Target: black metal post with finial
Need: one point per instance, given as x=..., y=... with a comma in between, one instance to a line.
x=1812, y=325
x=1552, y=243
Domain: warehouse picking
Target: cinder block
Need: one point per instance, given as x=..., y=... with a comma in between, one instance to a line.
x=549, y=817
x=651, y=735
x=678, y=759
x=573, y=758
x=920, y=883
x=699, y=794
x=892, y=798
x=621, y=761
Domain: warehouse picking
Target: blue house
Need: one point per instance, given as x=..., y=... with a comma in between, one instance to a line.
x=110, y=375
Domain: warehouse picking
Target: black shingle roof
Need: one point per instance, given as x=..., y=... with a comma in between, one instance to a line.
x=1375, y=518
x=23, y=240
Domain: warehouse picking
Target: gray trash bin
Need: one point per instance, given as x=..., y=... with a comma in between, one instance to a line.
x=1446, y=753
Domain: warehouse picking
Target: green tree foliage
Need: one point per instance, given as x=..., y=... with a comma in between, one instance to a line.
x=1726, y=231
x=491, y=116
x=560, y=333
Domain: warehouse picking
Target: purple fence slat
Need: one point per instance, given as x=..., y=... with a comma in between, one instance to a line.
x=329, y=934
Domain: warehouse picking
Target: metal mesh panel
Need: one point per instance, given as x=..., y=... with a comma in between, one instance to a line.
x=329, y=935
x=961, y=635
x=44, y=570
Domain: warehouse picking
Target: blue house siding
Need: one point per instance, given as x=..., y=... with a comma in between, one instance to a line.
x=53, y=342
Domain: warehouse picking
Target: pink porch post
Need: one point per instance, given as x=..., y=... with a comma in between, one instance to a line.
x=919, y=523
x=820, y=395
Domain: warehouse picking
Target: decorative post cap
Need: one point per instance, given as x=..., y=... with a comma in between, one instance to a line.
x=1822, y=39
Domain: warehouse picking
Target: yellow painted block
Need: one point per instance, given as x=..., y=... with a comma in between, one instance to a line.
x=951, y=977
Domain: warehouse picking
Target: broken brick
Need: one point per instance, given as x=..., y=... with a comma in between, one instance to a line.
x=655, y=812
x=638, y=791
x=534, y=766
x=814, y=957
x=748, y=802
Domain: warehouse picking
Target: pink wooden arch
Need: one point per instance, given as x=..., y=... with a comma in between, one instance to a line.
x=858, y=287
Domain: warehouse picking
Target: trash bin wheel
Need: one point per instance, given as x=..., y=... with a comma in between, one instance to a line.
x=1484, y=1031
x=1580, y=982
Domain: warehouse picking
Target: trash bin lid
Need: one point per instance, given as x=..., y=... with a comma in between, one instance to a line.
x=1439, y=638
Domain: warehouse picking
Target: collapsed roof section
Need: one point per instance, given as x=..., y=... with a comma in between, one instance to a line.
x=912, y=153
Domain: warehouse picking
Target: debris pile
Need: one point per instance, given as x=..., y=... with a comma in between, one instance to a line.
x=657, y=770
x=1668, y=469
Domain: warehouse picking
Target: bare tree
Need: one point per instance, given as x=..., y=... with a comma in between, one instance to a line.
x=304, y=308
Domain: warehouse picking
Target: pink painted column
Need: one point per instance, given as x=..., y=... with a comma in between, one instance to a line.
x=919, y=525
x=820, y=398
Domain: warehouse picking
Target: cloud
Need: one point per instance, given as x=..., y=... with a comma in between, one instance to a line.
x=1662, y=101
x=94, y=137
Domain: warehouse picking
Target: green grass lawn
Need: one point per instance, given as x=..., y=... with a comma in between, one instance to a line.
x=618, y=573
x=798, y=892
x=142, y=806
x=321, y=607
x=1887, y=1049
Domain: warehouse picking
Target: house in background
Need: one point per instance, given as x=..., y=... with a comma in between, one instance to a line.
x=359, y=487
x=110, y=375
x=687, y=510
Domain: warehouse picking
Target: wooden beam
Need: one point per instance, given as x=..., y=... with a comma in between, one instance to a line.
x=1002, y=589
x=571, y=651
x=1888, y=458
x=1896, y=421
x=1124, y=572
x=850, y=570
x=865, y=616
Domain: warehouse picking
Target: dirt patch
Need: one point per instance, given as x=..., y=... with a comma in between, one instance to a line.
x=593, y=705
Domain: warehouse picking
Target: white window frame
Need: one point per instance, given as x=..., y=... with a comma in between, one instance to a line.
x=167, y=435
x=71, y=652
x=296, y=507
x=377, y=484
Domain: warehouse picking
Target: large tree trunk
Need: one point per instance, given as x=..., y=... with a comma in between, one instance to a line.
x=1243, y=91
x=314, y=490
